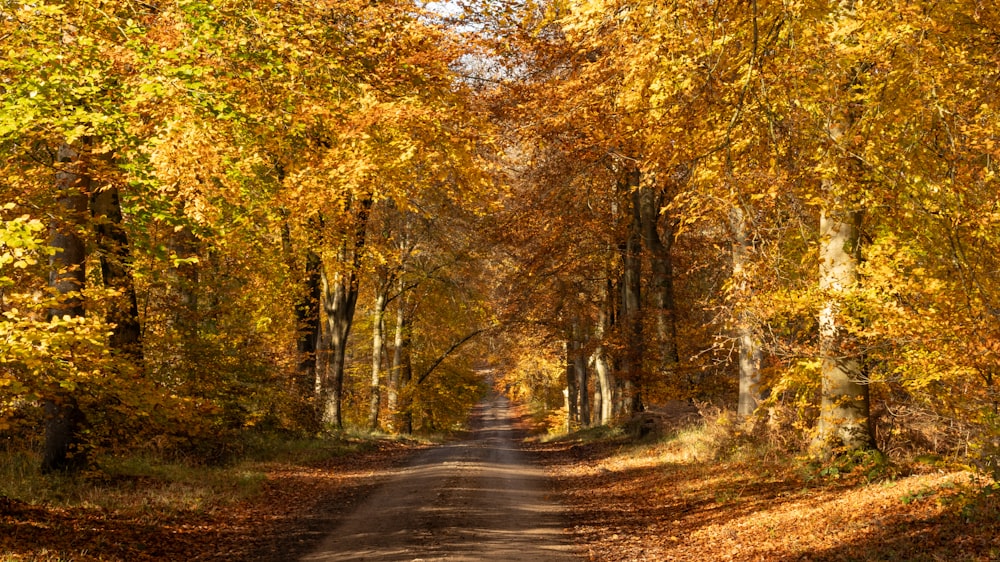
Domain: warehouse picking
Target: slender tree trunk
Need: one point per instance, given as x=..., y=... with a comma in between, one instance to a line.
x=378, y=324
x=598, y=405
x=750, y=353
x=631, y=311
x=116, y=273
x=405, y=415
x=580, y=371
x=307, y=304
x=307, y=319
x=307, y=325
x=395, y=370
x=67, y=277
x=582, y=387
x=185, y=276
x=605, y=381
x=572, y=392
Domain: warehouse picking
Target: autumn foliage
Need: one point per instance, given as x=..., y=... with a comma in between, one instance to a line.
x=232, y=216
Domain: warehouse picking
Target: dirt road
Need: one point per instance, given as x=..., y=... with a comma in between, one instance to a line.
x=475, y=500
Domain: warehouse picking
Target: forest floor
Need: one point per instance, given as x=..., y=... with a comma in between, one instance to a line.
x=285, y=515
x=690, y=495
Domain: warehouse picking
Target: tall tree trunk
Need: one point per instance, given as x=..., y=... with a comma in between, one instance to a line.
x=572, y=391
x=339, y=301
x=631, y=309
x=307, y=324
x=116, y=273
x=404, y=415
x=67, y=277
x=184, y=244
x=750, y=353
x=605, y=379
x=307, y=318
x=845, y=406
x=395, y=370
x=648, y=200
x=580, y=371
x=307, y=306
x=378, y=327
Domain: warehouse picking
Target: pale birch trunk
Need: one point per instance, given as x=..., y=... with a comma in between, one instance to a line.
x=393, y=388
x=401, y=373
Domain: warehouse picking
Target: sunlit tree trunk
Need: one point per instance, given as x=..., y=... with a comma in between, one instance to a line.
x=750, y=352
x=378, y=327
x=845, y=407
x=605, y=379
x=67, y=277
x=339, y=300
x=396, y=368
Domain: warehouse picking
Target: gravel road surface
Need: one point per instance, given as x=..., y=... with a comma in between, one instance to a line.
x=474, y=500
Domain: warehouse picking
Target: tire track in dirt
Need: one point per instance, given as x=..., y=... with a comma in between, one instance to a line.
x=474, y=500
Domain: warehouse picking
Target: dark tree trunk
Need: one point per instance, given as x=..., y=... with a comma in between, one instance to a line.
x=185, y=276
x=631, y=308
x=572, y=392
x=581, y=375
x=116, y=273
x=307, y=319
x=67, y=276
x=339, y=301
x=307, y=307
x=648, y=200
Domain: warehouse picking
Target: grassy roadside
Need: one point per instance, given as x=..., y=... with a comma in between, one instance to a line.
x=707, y=492
x=278, y=497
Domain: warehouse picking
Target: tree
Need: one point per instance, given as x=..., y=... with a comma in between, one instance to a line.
x=67, y=278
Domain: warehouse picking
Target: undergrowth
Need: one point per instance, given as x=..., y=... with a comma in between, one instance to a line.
x=147, y=479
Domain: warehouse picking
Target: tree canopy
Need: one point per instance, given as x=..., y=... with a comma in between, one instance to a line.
x=228, y=215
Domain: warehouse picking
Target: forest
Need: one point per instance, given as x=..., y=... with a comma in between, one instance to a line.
x=227, y=221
